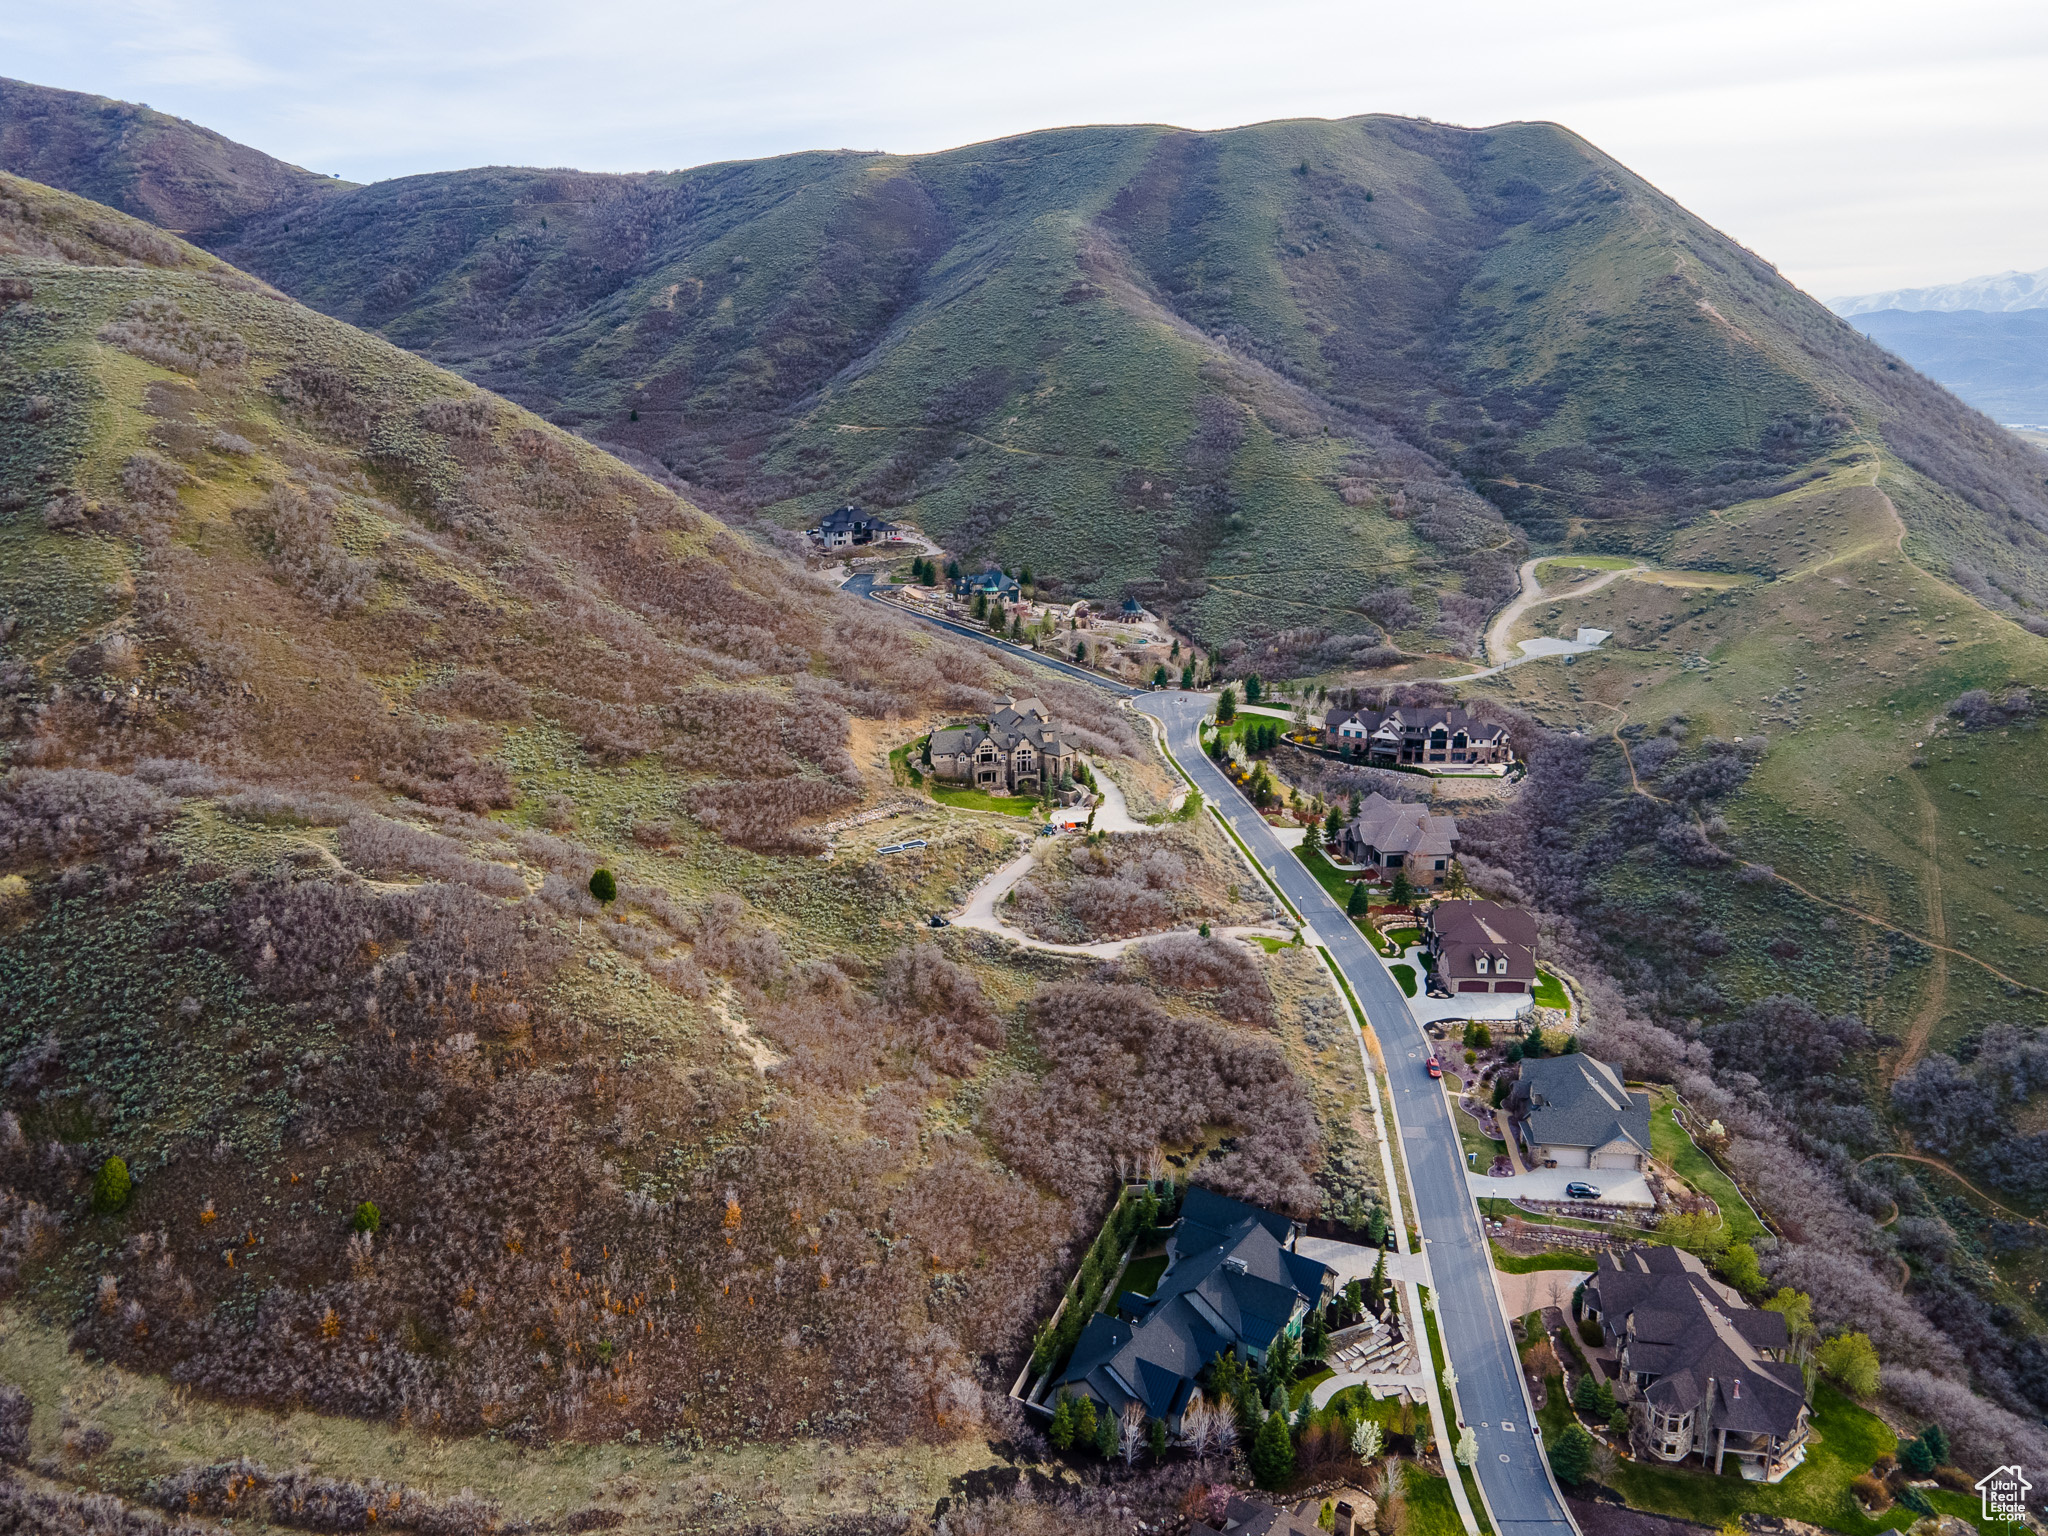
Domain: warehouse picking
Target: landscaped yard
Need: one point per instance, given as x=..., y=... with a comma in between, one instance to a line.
x=1480, y=1149
x=1673, y=1147
x=1844, y=1441
x=1328, y=876
x=1142, y=1275
x=1404, y=974
x=1517, y=1264
x=975, y=800
x=1550, y=991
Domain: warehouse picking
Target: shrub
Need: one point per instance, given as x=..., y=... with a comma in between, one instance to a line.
x=367, y=1218
x=111, y=1187
x=1870, y=1492
x=17, y=1412
x=604, y=887
x=1850, y=1360
x=1571, y=1454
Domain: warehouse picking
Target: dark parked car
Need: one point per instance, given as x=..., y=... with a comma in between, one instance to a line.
x=1580, y=1190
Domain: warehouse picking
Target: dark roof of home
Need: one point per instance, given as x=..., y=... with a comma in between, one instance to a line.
x=1411, y=724
x=1576, y=1101
x=1229, y=1281
x=1461, y=931
x=1701, y=1346
x=1251, y=1517
x=1015, y=722
x=840, y=519
x=1396, y=826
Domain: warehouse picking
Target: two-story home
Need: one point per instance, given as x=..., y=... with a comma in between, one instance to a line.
x=992, y=584
x=1481, y=946
x=1018, y=752
x=848, y=526
x=1388, y=835
x=1575, y=1112
x=1231, y=1282
x=1424, y=738
x=1710, y=1371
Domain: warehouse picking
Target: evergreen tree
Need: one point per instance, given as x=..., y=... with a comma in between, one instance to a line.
x=952, y=570
x=1156, y=1437
x=1935, y=1438
x=1084, y=1421
x=1272, y=1454
x=1252, y=688
x=1187, y=675
x=1401, y=892
x=1359, y=903
x=1571, y=1454
x=1333, y=823
x=1226, y=706
x=111, y=1186
x=1062, y=1432
x=1105, y=1435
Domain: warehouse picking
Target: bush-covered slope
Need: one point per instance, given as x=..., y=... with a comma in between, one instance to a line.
x=330, y=681
x=176, y=174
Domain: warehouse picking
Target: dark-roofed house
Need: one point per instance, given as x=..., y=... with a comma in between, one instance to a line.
x=849, y=525
x=1253, y=1517
x=1017, y=752
x=1231, y=1282
x=992, y=584
x=1481, y=946
x=1387, y=835
x=1575, y=1112
x=1710, y=1371
x=1425, y=738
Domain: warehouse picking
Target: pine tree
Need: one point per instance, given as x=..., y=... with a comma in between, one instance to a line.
x=1272, y=1454
x=1084, y=1421
x=1571, y=1454
x=111, y=1186
x=1360, y=901
x=1105, y=1435
x=1226, y=706
x=1062, y=1432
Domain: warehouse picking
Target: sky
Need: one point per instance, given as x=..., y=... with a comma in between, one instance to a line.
x=1858, y=146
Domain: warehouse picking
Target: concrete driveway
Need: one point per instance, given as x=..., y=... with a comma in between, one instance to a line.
x=1616, y=1186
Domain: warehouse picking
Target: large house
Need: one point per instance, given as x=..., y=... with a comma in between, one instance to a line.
x=1481, y=946
x=1231, y=1282
x=1710, y=1372
x=1575, y=1112
x=1018, y=752
x=992, y=584
x=848, y=526
x=1387, y=835
x=1426, y=738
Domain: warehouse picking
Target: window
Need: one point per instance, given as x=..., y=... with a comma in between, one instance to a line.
x=1482, y=963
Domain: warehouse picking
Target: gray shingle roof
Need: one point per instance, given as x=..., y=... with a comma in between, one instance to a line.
x=1575, y=1101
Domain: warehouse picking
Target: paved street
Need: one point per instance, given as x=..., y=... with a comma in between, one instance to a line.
x=863, y=585
x=1524, y=1501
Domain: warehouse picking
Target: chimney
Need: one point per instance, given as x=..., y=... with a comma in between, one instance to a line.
x=1343, y=1527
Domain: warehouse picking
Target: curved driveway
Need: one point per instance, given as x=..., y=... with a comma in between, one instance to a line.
x=1519, y=1491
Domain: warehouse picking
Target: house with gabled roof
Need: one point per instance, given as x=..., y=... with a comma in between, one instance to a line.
x=1016, y=752
x=1712, y=1372
x=849, y=525
x=1481, y=946
x=1389, y=835
x=1232, y=1281
x=1433, y=739
x=1575, y=1112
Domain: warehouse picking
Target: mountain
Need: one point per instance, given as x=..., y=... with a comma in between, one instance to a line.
x=1321, y=383
x=2002, y=292
x=1996, y=360
x=177, y=175
x=330, y=680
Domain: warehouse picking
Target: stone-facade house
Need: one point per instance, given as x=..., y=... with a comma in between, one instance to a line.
x=1481, y=946
x=1387, y=835
x=1231, y=1282
x=1710, y=1371
x=1575, y=1112
x=1018, y=751
x=1424, y=738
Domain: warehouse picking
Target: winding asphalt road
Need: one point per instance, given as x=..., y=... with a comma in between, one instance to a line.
x=863, y=585
x=1511, y=1467
x=1520, y=1493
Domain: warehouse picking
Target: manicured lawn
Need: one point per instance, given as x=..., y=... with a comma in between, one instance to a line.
x=1403, y=937
x=1404, y=974
x=1671, y=1144
x=1430, y=1510
x=1328, y=876
x=1514, y=1264
x=1473, y=1139
x=975, y=800
x=1844, y=1441
x=1142, y=1275
x=1550, y=991
x=1299, y=1394
x=1271, y=946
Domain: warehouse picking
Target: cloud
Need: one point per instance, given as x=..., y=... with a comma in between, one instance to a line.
x=1858, y=145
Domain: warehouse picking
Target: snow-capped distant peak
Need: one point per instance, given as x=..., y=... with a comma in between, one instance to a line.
x=2002, y=292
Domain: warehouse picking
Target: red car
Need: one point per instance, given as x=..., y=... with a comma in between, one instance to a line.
x=1436, y=1068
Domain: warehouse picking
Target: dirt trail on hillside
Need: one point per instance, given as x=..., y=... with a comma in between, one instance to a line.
x=1931, y=1007
x=1935, y=1162
x=1533, y=592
